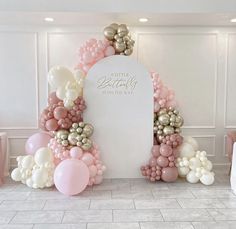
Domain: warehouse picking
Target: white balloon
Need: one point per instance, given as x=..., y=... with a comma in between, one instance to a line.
x=194, y=163
x=43, y=155
x=208, y=178
x=192, y=178
x=208, y=165
x=29, y=182
x=16, y=174
x=183, y=171
x=79, y=75
x=68, y=103
x=61, y=92
x=186, y=150
x=192, y=141
x=59, y=76
x=40, y=177
x=27, y=162
x=72, y=94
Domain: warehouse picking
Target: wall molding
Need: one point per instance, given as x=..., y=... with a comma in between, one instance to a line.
x=36, y=48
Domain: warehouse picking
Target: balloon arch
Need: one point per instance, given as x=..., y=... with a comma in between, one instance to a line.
x=65, y=155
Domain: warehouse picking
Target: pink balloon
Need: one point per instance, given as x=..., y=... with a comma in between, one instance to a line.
x=109, y=51
x=169, y=174
x=60, y=113
x=51, y=124
x=71, y=176
x=88, y=159
x=153, y=161
x=53, y=99
x=92, y=171
x=37, y=141
x=162, y=161
x=98, y=179
x=165, y=150
x=76, y=152
x=156, y=150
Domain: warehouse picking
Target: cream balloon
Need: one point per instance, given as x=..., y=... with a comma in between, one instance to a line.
x=43, y=155
x=27, y=162
x=207, y=178
x=72, y=94
x=16, y=174
x=194, y=163
x=192, y=142
x=208, y=166
x=61, y=92
x=183, y=171
x=186, y=150
x=191, y=177
x=59, y=76
x=39, y=177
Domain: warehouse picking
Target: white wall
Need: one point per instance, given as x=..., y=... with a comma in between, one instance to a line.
x=197, y=62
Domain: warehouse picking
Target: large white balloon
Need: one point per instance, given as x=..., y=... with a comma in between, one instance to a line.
x=208, y=178
x=191, y=177
x=59, y=76
x=191, y=141
x=186, y=150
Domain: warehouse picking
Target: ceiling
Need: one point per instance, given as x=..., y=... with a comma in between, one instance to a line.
x=102, y=12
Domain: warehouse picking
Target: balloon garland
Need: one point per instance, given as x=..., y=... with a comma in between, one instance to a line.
x=65, y=155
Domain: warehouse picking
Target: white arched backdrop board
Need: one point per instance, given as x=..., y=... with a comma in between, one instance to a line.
x=119, y=96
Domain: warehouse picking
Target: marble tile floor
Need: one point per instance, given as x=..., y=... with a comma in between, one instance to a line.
x=121, y=204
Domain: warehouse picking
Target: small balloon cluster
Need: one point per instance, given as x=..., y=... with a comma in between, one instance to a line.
x=117, y=42
x=166, y=129
x=193, y=164
x=68, y=86
x=36, y=171
x=119, y=38
x=66, y=144
x=57, y=116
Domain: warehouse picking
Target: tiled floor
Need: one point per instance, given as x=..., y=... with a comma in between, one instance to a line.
x=121, y=204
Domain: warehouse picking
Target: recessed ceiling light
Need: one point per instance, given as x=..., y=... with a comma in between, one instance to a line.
x=143, y=19
x=233, y=20
x=49, y=19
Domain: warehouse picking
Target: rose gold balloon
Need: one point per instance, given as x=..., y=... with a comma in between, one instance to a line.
x=162, y=161
x=169, y=174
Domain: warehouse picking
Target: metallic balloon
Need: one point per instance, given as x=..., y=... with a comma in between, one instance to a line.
x=164, y=119
x=72, y=138
x=119, y=47
x=122, y=30
x=168, y=130
x=109, y=33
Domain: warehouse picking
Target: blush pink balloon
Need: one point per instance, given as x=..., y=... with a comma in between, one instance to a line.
x=169, y=174
x=88, y=159
x=71, y=177
x=98, y=179
x=60, y=113
x=156, y=150
x=37, y=141
x=109, y=51
x=53, y=99
x=165, y=150
x=76, y=152
x=51, y=124
x=92, y=171
x=162, y=161
x=153, y=161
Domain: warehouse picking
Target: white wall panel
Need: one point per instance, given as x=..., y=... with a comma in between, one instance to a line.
x=18, y=80
x=187, y=63
x=231, y=82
